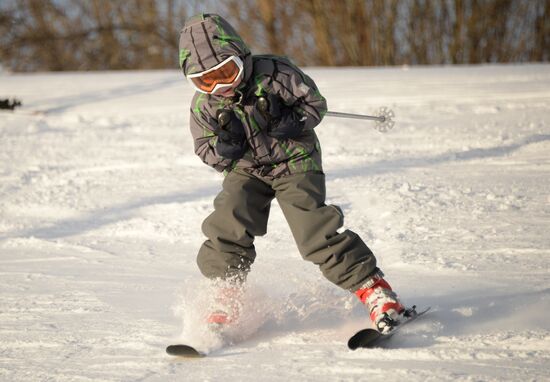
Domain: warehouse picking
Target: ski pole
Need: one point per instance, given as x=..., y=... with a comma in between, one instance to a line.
x=383, y=121
x=355, y=116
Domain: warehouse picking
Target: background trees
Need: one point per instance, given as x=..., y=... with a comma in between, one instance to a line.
x=143, y=34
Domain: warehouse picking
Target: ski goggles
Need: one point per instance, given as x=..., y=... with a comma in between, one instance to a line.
x=220, y=76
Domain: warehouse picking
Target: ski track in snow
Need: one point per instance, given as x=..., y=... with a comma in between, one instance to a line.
x=102, y=198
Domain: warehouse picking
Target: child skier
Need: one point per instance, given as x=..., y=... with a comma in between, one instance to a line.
x=253, y=118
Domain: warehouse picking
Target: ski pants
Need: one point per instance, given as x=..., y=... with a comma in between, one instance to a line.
x=241, y=211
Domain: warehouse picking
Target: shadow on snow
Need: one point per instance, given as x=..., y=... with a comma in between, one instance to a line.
x=111, y=215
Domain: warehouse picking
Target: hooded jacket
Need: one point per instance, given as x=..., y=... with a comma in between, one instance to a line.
x=208, y=39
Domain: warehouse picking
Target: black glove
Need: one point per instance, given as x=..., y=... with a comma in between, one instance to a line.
x=280, y=121
x=231, y=136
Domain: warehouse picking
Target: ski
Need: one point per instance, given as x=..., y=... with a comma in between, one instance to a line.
x=184, y=351
x=366, y=338
x=369, y=338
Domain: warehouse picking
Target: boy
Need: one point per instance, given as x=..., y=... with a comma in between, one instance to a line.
x=253, y=118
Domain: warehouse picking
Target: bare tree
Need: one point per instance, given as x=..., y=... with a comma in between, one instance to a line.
x=143, y=34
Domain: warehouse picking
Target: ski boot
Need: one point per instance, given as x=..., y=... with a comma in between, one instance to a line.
x=383, y=304
x=226, y=308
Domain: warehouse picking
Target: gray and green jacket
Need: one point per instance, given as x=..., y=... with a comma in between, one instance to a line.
x=205, y=41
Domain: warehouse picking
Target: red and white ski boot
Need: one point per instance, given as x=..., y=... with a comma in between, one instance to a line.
x=383, y=304
x=226, y=308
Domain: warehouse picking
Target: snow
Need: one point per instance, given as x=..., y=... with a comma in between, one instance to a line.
x=102, y=198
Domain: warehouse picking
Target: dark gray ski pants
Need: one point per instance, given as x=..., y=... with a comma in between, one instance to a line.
x=241, y=213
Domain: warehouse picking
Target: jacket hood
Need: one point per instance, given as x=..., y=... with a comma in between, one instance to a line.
x=208, y=39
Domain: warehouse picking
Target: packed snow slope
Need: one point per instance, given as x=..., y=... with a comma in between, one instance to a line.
x=102, y=199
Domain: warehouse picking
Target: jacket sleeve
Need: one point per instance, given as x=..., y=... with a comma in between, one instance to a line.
x=202, y=127
x=298, y=90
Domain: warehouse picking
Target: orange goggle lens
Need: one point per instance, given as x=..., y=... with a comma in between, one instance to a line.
x=224, y=75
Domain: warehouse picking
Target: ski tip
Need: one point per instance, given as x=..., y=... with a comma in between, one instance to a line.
x=363, y=338
x=185, y=351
